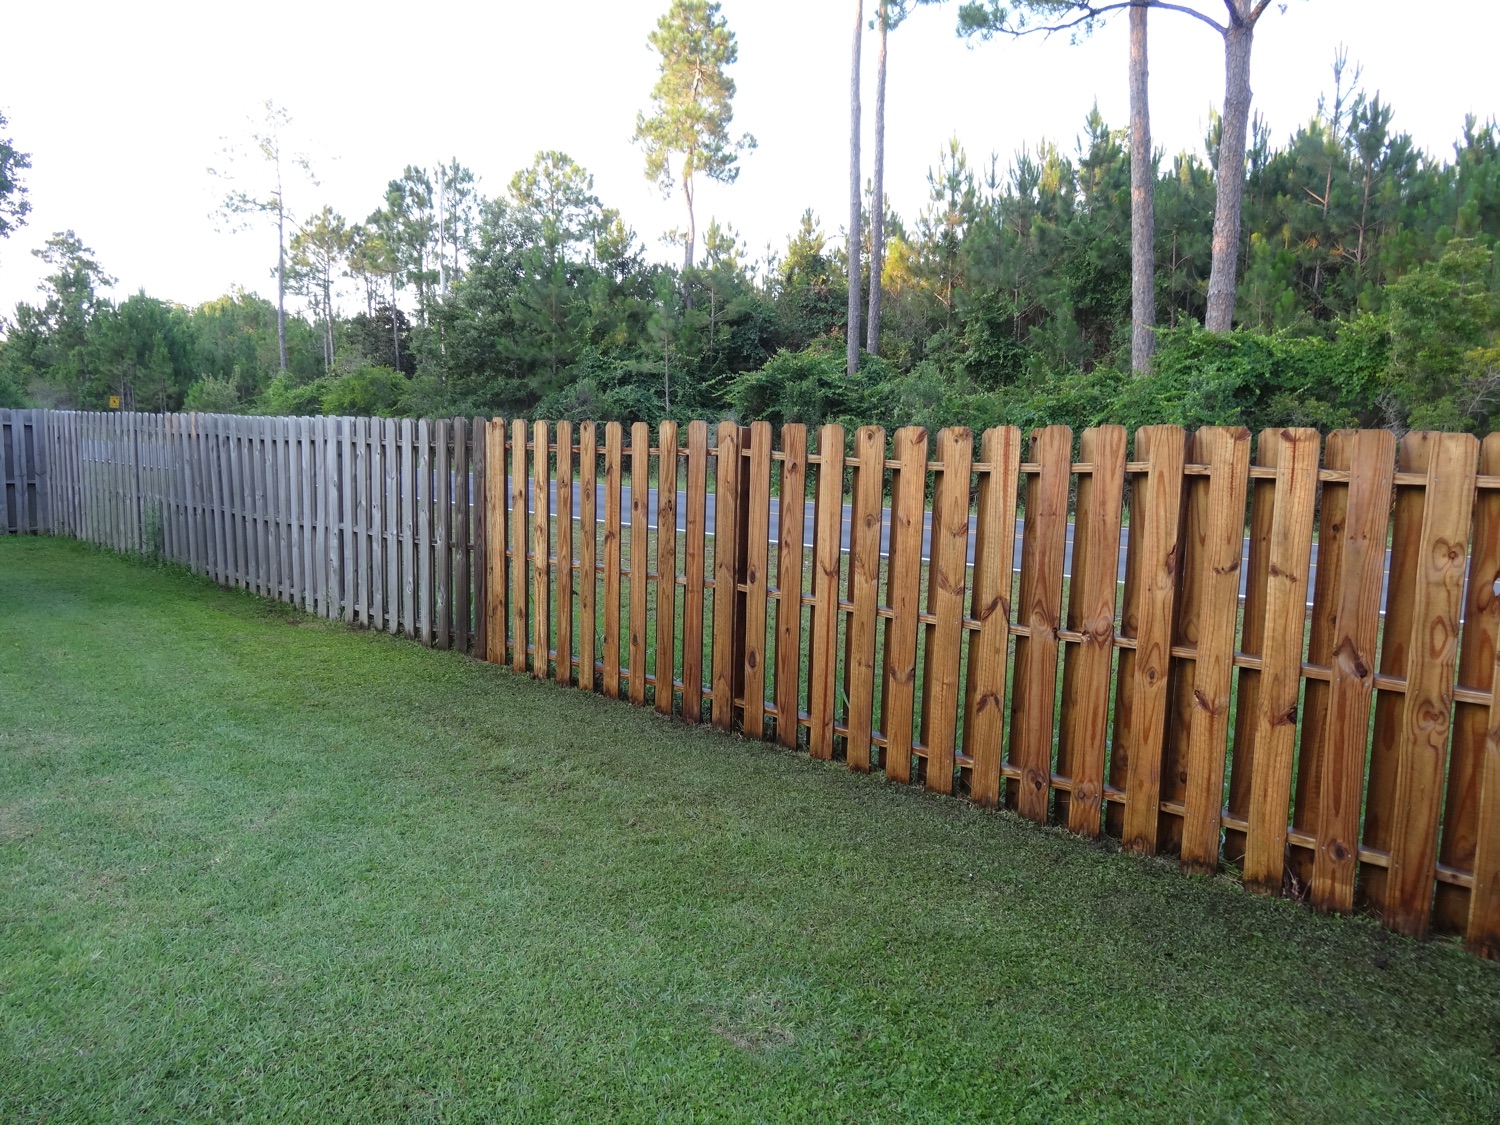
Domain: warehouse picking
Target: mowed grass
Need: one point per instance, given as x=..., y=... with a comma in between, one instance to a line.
x=259, y=867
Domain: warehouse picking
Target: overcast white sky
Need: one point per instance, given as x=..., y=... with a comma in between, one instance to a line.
x=122, y=106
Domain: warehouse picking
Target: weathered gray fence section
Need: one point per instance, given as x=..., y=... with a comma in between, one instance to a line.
x=371, y=520
x=24, y=498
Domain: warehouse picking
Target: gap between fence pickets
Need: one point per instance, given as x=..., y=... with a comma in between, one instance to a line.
x=378, y=522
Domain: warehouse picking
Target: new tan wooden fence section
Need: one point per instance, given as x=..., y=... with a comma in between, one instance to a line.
x=1336, y=738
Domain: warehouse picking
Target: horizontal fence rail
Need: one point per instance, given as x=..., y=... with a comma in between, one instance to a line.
x=1330, y=730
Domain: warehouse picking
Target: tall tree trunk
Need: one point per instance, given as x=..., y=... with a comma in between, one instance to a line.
x=1142, y=202
x=690, y=247
x=855, y=225
x=327, y=322
x=877, y=196
x=281, y=281
x=1230, y=173
x=395, y=325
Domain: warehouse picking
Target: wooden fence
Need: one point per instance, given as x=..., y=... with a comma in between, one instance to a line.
x=23, y=472
x=1194, y=686
x=371, y=520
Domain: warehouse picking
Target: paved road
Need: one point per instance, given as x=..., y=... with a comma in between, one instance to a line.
x=885, y=531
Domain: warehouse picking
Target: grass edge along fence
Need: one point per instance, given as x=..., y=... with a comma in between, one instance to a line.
x=1343, y=748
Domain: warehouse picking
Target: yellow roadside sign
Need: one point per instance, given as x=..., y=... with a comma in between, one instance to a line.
x=114, y=402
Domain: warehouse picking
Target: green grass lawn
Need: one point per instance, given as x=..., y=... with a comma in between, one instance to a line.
x=256, y=866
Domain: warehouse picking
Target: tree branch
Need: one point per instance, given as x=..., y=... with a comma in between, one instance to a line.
x=1091, y=12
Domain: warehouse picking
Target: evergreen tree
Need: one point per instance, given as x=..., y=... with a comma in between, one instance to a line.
x=692, y=107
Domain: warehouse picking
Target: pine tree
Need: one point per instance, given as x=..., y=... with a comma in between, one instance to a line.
x=691, y=107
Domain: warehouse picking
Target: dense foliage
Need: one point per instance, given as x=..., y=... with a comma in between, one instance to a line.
x=1368, y=296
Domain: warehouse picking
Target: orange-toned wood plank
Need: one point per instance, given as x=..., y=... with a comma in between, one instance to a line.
x=864, y=589
x=791, y=515
x=994, y=559
x=726, y=559
x=1039, y=608
x=1345, y=627
x=1472, y=839
x=946, y=583
x=695, y=563
x=564, y=478
x=1252, y=643
x=1422, y=748
x=479, y=467
x=1476, y=660
x=640, y=556
x=612, y=469
x=904, y=594
x=1092, y=591
x=1154, y=531
x=588, y=553
x=541, y=550
x=1412, y=456
x=494, y=479
x=1281, y=656
x=666, y=563
x=828, y=521
x=519, y=533
x=756, y=563
x=1218, y=544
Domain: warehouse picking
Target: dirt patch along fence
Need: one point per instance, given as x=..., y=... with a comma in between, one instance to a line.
x=1329, y=730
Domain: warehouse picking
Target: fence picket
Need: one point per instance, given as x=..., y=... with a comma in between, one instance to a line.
x=666, y=564
x=1275, y=723
x=1209, y=605
x=564, y=478
x=1092, y=594
x=694, y=549
x=1422, y=748
x=994, y=560
x=1464, y=825
x=1154, y=526
x=496, y=623
x=1345, y=629
x=726, y=534
x=612, y=436
x=442, y=534
x=541, y=549
x=640, y=556
x=860, y=625
x=460, y=535
x=1039, y=609
x=791, y=516
x=480, y=519
x=519, y=536
x=828, y=519
x=755, y=522
x=945, y=602
x=588, y=554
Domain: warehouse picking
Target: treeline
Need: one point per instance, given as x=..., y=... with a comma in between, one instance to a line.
x=1368, y=295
